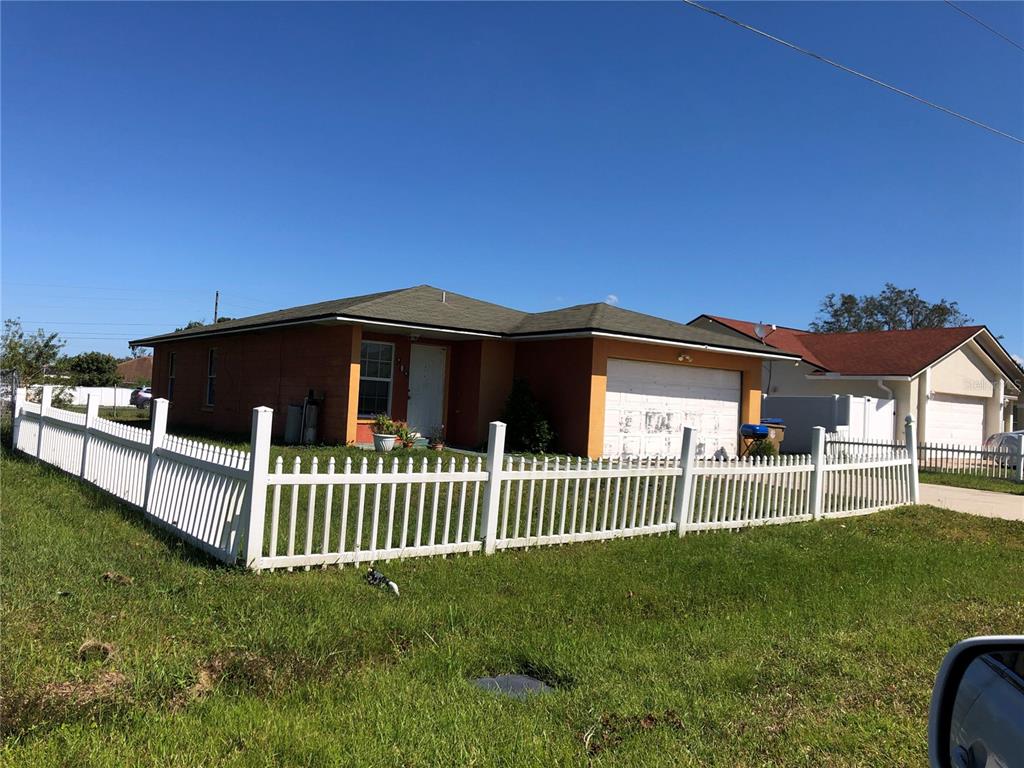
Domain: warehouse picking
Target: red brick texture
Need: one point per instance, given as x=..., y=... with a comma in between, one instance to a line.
x=275, y=367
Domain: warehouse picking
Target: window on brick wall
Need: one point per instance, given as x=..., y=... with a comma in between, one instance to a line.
x=376, y=362
x=211, y=377
x=170, y=376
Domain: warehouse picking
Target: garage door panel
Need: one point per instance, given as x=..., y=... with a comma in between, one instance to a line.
x=955, y=419
x=648, y=404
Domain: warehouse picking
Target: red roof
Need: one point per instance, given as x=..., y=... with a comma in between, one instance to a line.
x=868, y=353
x=135, y=370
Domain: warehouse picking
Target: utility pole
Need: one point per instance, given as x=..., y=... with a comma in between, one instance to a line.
x=216, y=303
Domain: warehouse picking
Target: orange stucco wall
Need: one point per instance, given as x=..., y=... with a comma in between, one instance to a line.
x=274, y=367
x=559, y=375
x=497, y=366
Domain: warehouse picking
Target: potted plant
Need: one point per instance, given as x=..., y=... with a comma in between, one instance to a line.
x=405, y=435
x=385, y=433
x=437, y=438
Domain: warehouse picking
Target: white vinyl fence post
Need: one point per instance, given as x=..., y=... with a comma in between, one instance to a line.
x=16, y=416
x=44, y=407
x=157, y=431
x=683, y=502
x=92, y=411
x=910, y=437
x=254, y=508
x=492, y=488
x=1019, y=475
x=817, y=494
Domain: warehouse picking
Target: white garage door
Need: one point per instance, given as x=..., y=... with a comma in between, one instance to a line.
x=955, y=419
x=648, y=404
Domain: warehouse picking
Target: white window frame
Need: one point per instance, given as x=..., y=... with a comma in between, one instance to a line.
x=211, y=376
x=170, y=374
x=390, y=379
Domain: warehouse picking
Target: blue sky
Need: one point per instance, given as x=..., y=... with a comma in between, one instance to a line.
x=534, y=155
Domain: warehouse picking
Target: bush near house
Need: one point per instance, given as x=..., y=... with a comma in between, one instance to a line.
x=527, y=428
x=762, y=448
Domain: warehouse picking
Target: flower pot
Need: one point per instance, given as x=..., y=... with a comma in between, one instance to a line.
x=384, y=443
x=437, y=446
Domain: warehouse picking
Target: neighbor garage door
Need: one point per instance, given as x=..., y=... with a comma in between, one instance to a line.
x=648, y=404
x=955, y=419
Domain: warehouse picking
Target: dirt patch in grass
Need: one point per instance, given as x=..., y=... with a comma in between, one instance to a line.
x=240, y=670
x=95, y=650
x=613, y=728
x=60, y=702
x=113, y=577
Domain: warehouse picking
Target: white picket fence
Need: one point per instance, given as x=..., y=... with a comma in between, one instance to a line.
x=193, y=489
x=230, y=503
x=1002, y=464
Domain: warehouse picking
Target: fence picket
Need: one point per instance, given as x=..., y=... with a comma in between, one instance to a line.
x=208, y=495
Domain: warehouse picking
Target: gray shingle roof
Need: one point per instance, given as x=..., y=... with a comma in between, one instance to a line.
x=431, y=307
x=420, y=305
x=611, y=319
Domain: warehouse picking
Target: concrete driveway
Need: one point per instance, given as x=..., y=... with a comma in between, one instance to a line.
x=983, y=503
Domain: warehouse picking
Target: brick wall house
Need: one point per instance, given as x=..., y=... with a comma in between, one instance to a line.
x=612, y=381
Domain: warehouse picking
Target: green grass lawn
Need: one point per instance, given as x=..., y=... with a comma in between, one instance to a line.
x=972, y=481
x=807, y=644
x=123, y=413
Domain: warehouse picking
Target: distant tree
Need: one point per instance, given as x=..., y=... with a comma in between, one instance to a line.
x=200, y=323
x=134, y=353
x=92, y=369
x=893, y=309
x=32, y=356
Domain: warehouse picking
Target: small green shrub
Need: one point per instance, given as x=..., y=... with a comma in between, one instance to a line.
x=383, y=425
x=762, y=447
x=528, y=428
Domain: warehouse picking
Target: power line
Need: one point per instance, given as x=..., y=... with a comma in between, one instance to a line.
x=975, y=19
x=849, y=70
x=83, y=322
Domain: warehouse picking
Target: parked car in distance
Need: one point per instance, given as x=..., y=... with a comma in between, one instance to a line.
x=1005, y=441
x=141, y=397
x=977, y=710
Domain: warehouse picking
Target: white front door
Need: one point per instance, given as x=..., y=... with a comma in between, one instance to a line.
x=426, y=388
x=648, y=404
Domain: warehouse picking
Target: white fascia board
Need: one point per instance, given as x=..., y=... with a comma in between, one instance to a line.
x=986, y=355
x=205, y=334
x=326, y=321
x=840, y=377
x=959, y=346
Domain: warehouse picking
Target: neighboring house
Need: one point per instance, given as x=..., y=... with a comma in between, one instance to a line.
x=958, y=383
x=612, y=381
x=138, y=370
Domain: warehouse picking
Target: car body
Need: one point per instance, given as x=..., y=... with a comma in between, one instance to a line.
x=1009, y=441
x=988, y=703
x=141, y=397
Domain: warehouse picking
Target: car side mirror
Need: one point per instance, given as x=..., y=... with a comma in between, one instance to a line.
x=977, y=711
